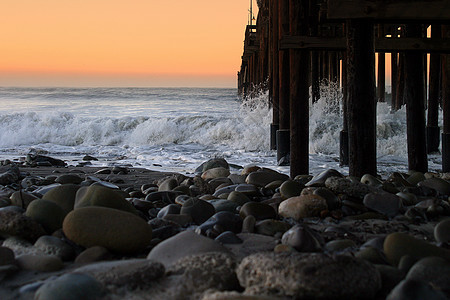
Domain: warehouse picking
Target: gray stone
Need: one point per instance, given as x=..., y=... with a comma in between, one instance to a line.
x=181, y=245
x=168, y=185
x=434, y=270
x=130, y=273
x=96, y=195
x=63, y=195
x=308, y=276
x=215, y=173
x=304, y=206
x=14, y=223
x=252, y=243
x=22, y=199
x=51, y=245
x=440, y=185
x=384, y=203
x=199, y=210
x=69, y=179
x=262, y=178
x=442, y=231
x=41, y=263
x=271, y=227
x=415, y=290
x=302, y=239
x=260, y=211
x=340, y=185
x=93, y=254
x=6, y=256
x=339, y=245
x=71, y=287
x=224, y=220
x=47, y=213
x=291, y=188
x=319, y=179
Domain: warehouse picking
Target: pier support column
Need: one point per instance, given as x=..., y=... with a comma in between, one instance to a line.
x=446, y=106
x=381, y=86
x=275, y=86
x=415, y=105
x=299, y=92
x=361, y=98
x=284, y=106
x=343, y=138
x=433, y=130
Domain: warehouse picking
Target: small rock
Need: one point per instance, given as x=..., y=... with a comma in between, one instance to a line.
x=96, y=195
x=69, y=178
x=168, y=252
x=71, y=287
x=224, y=220
x=41, y=263
x=271, y=227
x=304, y=206
x=398, y=244
x=442, y=231
x=259, y=210
x=434, y=270
x=93, y=254
x=228, y=237
x=252, y=243
x=168, y=184
x=199, y=210
x=22, y=199
x=345, y=186
x=6, y=256
x=384, y=203
x=14, y=223
x=440, y=185
x=291, y=188
x=302, y=239
x=414, y=290
x=339, y=245
x=63, y=195
x=51, y=245
x=47, y=213
x=319, y=179
x=215, y=173
x=262, y=178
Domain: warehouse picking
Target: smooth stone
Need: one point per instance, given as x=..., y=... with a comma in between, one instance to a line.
x=71, y=287
x=371, y=180
x=442, y=231
x=376, y=242
x=398, y=244
x=225, y=190
x=308, y=276
x=406, y=263
x=271, y=227
x=96, y=195
x=345, y=186
x=384, y=203
x=291, y=188
x=302, y=239
x=183, y=198
x=303, y=206
x=69, y=179
x=102, y=226
x=408, y=199
x=248, y=224
x=440, y=185
x=199, y=210
x=22, y=199
x=262, y=178
x=183, y=244
x=215, y=173
x=237, y=179
x=373, y=255
x=63, y=195
x=200, y=272
x=224, y=205
x=167, y=197
x=434, y=270
x=333, y=201
x=42, y=190
x=233, y=295
x=260, y=211
x=228, y=237
x=390, y=277
x=47, y=213
x=248, y=189
x=128, y=273
x=319, y=179
x=182, y=220
x=184, y=189
x=227, y=221
x=41, y=263
x=212, y=163
x=20, y=246
x=214, y=183
x=249, y=169
x=168, y=185
x=339, y=245
x=6, y=256
x=93, y=254
x=252, y=243
x=172, y=209
x=274, y=184
x=415, y=290
x=51, y=245
x=415, y=177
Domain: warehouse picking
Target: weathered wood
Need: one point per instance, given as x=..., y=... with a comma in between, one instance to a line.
x=394, y=61
x=405, y=10
x=433, y=131
x=343, y=138
x=400, y=99
x=283, y=29
x=446, y=106
x=415, y=108
x=299, y=93
x=381, y=86
x=385, y=44
x=361, y=98
x=275, y=63
x=315, y=88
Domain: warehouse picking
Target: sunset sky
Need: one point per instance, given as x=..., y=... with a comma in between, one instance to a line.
x=121, y=43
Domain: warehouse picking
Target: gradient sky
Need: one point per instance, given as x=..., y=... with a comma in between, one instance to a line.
x=121, y=43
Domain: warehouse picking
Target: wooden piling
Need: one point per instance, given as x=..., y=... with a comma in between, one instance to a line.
x=446, y=105
x=381, y=86
x=275, y=87
x=361, y=97
x=299, y=92
x=433, y=131
x=284, y=77
x=394, y=61
x=415, y=109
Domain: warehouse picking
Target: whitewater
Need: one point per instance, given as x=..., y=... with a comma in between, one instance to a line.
x=176, y=129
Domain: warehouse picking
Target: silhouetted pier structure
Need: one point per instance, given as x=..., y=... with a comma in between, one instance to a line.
x=297, y=43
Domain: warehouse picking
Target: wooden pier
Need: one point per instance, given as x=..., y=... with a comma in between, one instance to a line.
x=296, y=44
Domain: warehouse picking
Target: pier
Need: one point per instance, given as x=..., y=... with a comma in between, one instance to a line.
x=297, y=44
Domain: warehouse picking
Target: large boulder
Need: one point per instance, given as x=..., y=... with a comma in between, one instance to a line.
x=116, y=230
x=96, y=195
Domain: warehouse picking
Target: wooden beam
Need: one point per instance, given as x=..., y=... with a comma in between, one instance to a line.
x=381, y=44
x=404, y=10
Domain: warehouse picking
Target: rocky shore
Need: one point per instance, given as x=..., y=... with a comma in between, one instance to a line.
x=252, y=233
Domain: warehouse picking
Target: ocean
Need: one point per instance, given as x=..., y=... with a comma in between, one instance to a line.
x=176, y=129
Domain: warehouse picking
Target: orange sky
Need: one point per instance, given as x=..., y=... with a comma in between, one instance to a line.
x=121, y=43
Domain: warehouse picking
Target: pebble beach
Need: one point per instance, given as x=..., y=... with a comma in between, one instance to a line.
x=77, y=232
